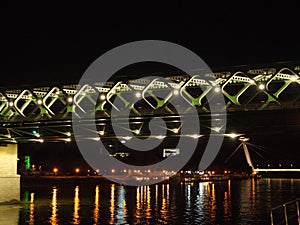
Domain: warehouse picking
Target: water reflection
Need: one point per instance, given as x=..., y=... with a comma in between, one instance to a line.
x=31, y=209
x=148, y=203
x=76, y=217
x=118, y=205
x=112, y=204
x=121, y=210
x=54, y=209
x=225, y=202
x=165, y=202
x=97, y=205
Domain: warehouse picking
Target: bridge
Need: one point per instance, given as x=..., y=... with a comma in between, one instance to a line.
x=249, y=160
x=44, y=113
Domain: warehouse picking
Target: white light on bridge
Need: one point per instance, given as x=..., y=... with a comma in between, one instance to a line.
x=97, y=139
x=252, y=82
x=195, y=136
x=261, y=86
x=11, y=104
x=127, y=138
x=39, y=102
x=102, y=97
x=216, y=129
x=70, y=99
x=293, y=78
x=232, y=135
x=160, y=137
x=175, y=130
x=175, y=92
x=138, y=94
x=217, y=89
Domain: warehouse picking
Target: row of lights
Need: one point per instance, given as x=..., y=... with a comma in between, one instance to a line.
x=77, y=170
x=40, y=101
x=102, y=97
x=279, y=165
x=137, y=94
x=217, y=89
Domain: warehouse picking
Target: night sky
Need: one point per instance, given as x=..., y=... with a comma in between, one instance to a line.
x=48, y=44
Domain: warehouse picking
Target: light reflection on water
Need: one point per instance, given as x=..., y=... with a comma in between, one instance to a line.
x=96, y=214
x=76, y=217
x=225, y=202
x=54, y=209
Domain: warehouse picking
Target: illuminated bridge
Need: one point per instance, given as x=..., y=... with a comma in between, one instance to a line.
x=44, y=113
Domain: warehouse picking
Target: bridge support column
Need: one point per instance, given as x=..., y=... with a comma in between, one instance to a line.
x=10, y=182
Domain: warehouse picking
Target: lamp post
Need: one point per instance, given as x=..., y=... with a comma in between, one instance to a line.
x=55, y=170
x=77, y=171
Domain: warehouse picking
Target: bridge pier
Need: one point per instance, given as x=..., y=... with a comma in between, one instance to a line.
x=9, y=179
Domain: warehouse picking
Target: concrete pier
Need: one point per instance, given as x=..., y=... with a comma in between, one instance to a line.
x=9, y=179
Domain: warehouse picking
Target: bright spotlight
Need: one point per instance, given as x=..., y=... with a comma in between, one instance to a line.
x=261, y=86
x=70, y=99
x=217, y=89
x=138, y=94
x=102, y=97
x=39, y=101
x=293, y=78
x=232, y=135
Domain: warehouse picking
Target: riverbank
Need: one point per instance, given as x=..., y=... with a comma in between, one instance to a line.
x=52, y=180
x=30, y=180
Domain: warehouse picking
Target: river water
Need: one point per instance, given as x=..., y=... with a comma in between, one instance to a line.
x=223, y=202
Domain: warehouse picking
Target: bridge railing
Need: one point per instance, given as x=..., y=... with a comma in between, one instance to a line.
x=287, y=213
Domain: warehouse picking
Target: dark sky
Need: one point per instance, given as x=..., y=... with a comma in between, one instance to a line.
x=44, y=44
x=55, y=43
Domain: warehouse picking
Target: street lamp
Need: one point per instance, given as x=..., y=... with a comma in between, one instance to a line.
x=77, y=170
x=55, y=170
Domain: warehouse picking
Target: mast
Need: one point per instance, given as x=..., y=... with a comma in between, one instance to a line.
x=246, y=151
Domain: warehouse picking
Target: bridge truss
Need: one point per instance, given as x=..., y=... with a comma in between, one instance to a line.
x=44, y=113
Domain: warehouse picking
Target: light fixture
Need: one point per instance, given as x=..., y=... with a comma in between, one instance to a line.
x=175, y=92
x=138, y=94
x=232, y=135
x=102, y=97
x=39, y=102
x=217, y=89
x=293, y=78
x=261, y=86
x=70, y=99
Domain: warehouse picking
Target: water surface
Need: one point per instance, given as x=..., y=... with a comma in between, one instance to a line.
x=223, y=202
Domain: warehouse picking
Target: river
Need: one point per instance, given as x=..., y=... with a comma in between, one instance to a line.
x=223, y=202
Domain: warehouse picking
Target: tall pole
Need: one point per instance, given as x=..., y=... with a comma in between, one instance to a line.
x=246, y=151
